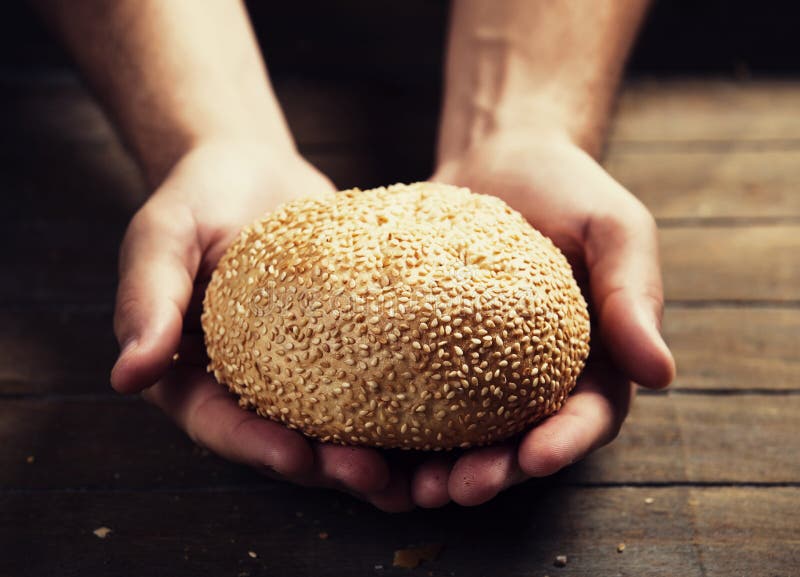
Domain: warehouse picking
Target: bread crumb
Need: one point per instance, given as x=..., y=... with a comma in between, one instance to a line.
x=560, y=561
x=649, y=501
x=101, y=532
x=252, y=554
x=620, y=547
x=413, y=556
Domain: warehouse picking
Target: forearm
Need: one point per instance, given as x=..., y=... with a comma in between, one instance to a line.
x=172, y=74
x=534, y=66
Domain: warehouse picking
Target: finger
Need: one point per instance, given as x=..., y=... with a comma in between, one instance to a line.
x=213, y=419
x=429, y=482
x=158, y=261
x=480, y=474
x=357, y=469
x=591, y=418
x=622, y=259
x=353, y=470
x=396, y=496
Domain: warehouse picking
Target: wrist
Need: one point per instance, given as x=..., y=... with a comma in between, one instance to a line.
x=520, y=122
x=159, y=160
x=499, y=143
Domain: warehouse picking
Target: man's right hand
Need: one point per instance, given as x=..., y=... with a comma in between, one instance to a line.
x=170, y=249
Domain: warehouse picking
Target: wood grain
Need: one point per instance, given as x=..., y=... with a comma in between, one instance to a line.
x=517, y=535
x=723, y=348
x=683, y=531
x=56, y=350
x=747, y=532
x=125, y=445
x=735, y=347
x=69, y=183
x=342, y=129
x=707, y=111
x=55, y=261
x=697, y=112
x=716, y=162
x=320, y=113
x=741, y=184
x=731, y=263
x=717, y=263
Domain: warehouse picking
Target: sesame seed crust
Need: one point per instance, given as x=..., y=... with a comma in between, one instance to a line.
x=418, y=316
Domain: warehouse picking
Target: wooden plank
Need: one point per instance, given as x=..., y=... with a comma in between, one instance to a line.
x=518, y=535
x=710, y=112
x=738, y=439
x=707, y=111
x=328, y=113
x=735, y=347
x=77, y=262
x=747, y=532
x=683, y=531
x=649, y=449
x=52, y=117
x=60, y=261
x=56, y=350
x=69, y=183
x=701, y=439
x=119, y=445
x=742, y=184
x=59, y=111
x=111, y=444
x=60, y=157
x=731, y=263
x=70, y=350
x=50, y=108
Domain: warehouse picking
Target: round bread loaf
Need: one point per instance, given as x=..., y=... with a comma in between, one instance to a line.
x=418, y=316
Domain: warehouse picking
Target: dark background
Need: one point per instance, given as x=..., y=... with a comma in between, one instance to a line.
x=390, y=42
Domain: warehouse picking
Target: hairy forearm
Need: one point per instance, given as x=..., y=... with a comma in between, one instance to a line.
x=534, y=67
x=171, y=73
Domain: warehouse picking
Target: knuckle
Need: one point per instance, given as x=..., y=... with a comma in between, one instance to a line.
x=655, y=296
x=159, y=216
x=127, y=308
x=639, y=216
x=626, y=217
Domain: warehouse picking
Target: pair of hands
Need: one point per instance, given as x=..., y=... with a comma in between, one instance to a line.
x=176, y=239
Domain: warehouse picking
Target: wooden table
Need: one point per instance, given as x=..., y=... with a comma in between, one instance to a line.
x=704, y=480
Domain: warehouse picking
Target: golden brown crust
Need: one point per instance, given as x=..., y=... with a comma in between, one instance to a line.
x=418, y=316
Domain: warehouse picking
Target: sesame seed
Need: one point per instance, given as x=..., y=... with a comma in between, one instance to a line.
x=332, y=346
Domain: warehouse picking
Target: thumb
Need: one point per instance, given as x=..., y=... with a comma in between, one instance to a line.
x=622, y=258
x=158, y=263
